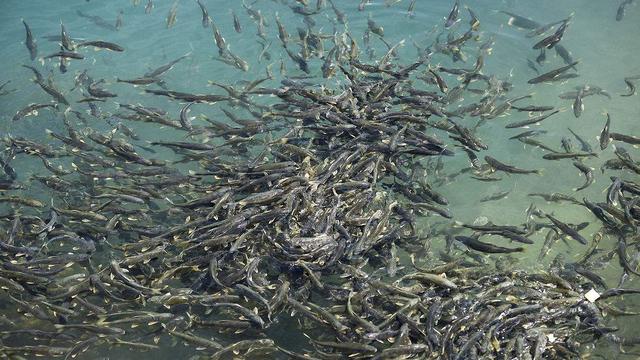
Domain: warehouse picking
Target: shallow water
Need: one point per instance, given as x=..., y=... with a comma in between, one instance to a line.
x=608, y=51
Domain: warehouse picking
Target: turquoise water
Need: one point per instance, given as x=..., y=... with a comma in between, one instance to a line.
x=607, y=50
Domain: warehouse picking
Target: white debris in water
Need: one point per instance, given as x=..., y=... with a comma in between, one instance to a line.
x=592, y=295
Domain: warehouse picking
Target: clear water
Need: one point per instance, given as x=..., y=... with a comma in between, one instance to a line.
x=608, y=51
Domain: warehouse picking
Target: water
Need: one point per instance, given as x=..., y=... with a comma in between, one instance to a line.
x=607, y=50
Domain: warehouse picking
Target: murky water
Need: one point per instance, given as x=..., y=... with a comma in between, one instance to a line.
x=607, y=51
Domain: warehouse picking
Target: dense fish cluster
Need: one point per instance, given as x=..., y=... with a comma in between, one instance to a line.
x=313, y=208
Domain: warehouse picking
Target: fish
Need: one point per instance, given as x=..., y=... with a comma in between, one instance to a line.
x=588, y=174
x=632, y=88
x=340, y=16
x=585, y=146
x=199, y=341
x=66, y=55
x=30, y=41
x=149, y=7
x=605, y=137
x=31, y=109
x=98, y=92
x=542, y=56
x=97, y=20
x=206, y=19
x=475, y=244
x=530, y=121
x=496, y=196
x=564, y=54
x=411, y=8
x=65, y=39
x=21, y=201
x=50, y=89
x=621, y=9
x=528, y=133
x=552, y=75
x=172, y=17
x=430, y=278
x=164, y=68
x=536, y=143
x=572, y=155
x=498, y=166
x=474, y=22
x=119, y=20
x=102, y=45
x=532, y=66
x=567, y=230
x=139, y=81
x=453, y=15
x=533, y=108
x=220, y=41
x=578, y=105
x=184, y=118
x=551, y=40
x=374, y=27
x=629, y=139
x=236, y=22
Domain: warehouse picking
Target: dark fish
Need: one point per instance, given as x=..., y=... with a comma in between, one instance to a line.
x=98, y=92
x=475, y=244
x=411, y=8
x=63, y=61
x=605, y=137
x=556, y=197
x=119, y=20
x=541, y=57
x=32, y=109
x=567, y=230
x=497, y=196
x=533, y=120
x=30, y=42
x=551, y=40
x=50, y=89
x=453, y=15
x=532, y=66
x=139, y=81
x=564, y=54
x=102, y=45
x=172, y=16
x=533, y=142
x=206, y=20
x=184, y=117
x=528, y=133
x=584, y=144
x=533, y=108
x=498, y=166
x=587, y=172
x=236, y=22
x=621, y=9
x=66, y=55
x=559, y=156
x=164, y=68
x=66, y=40
x=374, y=27
x=553, y=74
x=148, y=7
x=629, y=139
x=97, y=20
